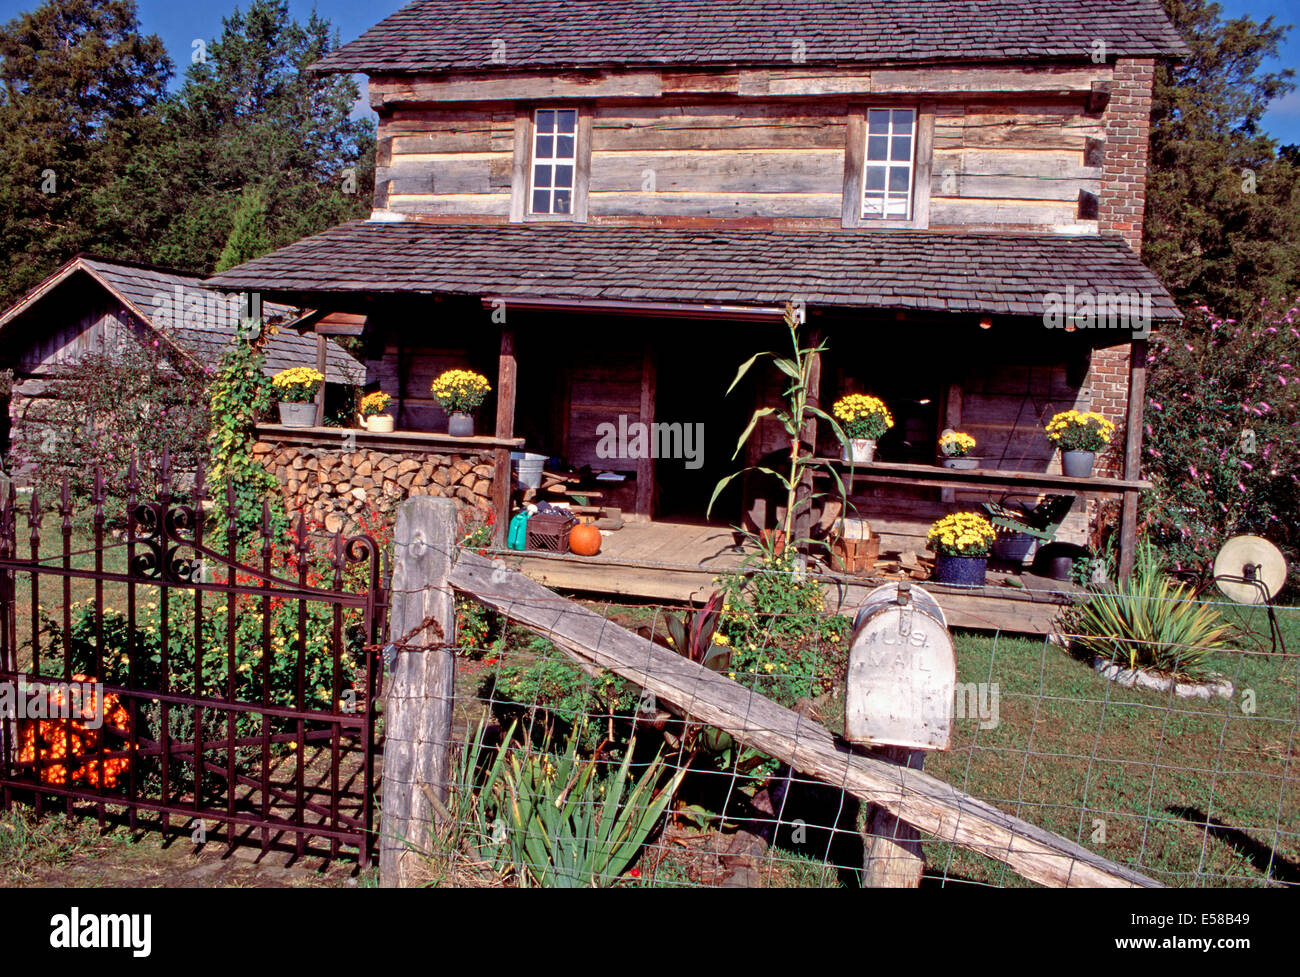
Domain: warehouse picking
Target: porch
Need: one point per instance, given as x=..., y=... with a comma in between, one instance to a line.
x=584, y=331
x=676, y=562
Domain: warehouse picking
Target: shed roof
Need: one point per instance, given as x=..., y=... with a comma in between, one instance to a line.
x=501, y=35
x=174, y=303
x=1009, y=274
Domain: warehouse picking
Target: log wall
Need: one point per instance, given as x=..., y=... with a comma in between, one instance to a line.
x=1012, y=149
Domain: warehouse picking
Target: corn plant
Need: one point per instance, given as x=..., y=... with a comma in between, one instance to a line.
x=798, y=411
x=569, y=828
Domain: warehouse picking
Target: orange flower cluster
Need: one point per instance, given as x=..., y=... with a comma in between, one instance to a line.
x=56, y=738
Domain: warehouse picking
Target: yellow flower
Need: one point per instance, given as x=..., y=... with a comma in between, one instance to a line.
x=721, y=639
x=768, y=667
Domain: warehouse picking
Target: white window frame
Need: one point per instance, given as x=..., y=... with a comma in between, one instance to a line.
x=886, y=196
x=553, y=161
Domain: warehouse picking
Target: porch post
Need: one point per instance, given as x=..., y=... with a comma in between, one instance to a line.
x=502, y=482
x=321, y=361
x=645, y=466
x=1137, y=396
x=803, y=498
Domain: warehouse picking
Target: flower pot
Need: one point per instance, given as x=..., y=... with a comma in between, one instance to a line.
x=297, y=415
x=460, y=425
x=1012, y=547
x=965, y=570
x=1077, y=464
x=859, y=451
x=960, y=464
x=380, y=423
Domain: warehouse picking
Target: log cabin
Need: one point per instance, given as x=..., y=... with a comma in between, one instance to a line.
x=90, y=303
x=605, y=208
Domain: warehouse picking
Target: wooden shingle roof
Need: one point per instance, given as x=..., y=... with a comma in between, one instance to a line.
x=908, y=270
x=199, y=322
x=496, y=35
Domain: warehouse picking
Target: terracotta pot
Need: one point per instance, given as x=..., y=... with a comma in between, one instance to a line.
x=584, y=540
x=380, y=424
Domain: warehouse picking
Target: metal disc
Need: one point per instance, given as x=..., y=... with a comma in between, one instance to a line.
x=1249, y=557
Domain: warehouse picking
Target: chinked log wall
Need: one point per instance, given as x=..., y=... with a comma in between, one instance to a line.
x=1012, y=148
x=338, y=487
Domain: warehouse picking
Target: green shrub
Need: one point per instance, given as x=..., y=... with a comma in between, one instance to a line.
x=1151, y=622
x=785, y=644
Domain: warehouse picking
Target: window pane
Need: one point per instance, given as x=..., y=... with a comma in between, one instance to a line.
x=875, y=178
x=541, y=201
x=561, y=202
x=541, y=176
x=896, y=209
x=563, y=176
x=898, y=178
x=564, y=147
x=545, y=147
x=566, y=121
x=877, y=147
x=901, y=149
x=903, y=120
x=871, y=206
x=878, y=120
x=546, y=121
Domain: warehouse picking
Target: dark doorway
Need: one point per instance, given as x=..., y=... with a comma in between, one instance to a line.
x=695, y=362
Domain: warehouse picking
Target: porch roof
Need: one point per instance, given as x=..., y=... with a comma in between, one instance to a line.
x=998, y=274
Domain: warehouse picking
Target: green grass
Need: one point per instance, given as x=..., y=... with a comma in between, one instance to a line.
x=1079, y=755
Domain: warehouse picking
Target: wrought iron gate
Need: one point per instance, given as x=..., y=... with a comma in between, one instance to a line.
x=229, y=684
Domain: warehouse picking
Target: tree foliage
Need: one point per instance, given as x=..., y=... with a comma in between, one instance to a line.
x=80, y=83
x=1223, y=204
x=170, y=179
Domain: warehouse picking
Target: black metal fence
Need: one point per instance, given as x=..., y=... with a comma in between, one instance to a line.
x=155, y=661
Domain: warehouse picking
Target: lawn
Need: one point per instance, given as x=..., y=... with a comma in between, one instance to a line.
x=1191, y=792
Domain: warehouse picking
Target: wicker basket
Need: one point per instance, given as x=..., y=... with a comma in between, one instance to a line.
x=550, y=532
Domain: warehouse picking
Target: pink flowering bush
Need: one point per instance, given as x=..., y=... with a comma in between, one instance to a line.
x=1222, y=418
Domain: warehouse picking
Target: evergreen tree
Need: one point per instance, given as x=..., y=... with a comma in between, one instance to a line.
x=1223, y=205
x=79, y=81
x=248, y=238
x=250, y=114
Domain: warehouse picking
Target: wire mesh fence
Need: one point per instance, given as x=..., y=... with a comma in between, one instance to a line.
x=1183, y=771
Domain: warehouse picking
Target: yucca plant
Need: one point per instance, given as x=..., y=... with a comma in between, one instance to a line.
x=1150, y=622
x=568, y=827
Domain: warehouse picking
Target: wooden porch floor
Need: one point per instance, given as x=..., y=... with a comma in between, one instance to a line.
x=676, y=562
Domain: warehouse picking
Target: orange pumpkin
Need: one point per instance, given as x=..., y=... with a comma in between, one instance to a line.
x=584, y=540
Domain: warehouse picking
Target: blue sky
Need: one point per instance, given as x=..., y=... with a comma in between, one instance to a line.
x=179, y=22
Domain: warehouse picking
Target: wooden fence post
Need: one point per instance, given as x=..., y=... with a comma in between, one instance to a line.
x=418, y=703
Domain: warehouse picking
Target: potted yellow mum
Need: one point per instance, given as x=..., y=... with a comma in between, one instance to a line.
x=1079, y=435
x=863, y=419
x=955, y=449
x=961, y=544
x=374, y=412
x=460, y=392
x=295, y=389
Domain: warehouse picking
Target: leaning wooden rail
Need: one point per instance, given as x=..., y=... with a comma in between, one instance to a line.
x=920, y=799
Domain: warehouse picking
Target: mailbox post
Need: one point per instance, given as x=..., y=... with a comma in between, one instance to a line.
x=899, y=703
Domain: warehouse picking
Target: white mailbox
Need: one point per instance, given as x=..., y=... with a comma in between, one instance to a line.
x=902, y=672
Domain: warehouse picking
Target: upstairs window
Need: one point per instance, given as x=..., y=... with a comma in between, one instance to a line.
x=889, y=165
x=555, y=162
